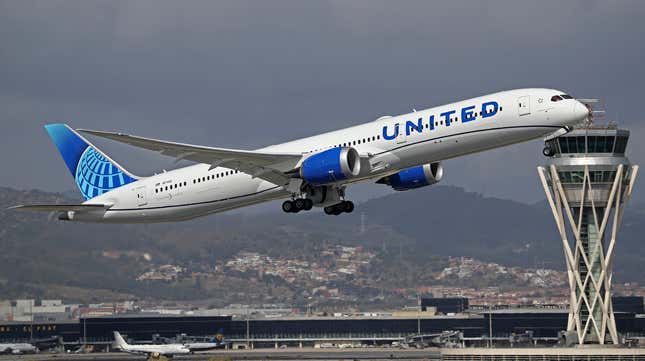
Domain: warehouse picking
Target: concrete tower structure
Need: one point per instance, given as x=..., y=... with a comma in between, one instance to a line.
x=588, y=181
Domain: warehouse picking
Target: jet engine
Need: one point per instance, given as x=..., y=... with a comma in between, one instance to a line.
x=331, y=166
x=415, y=177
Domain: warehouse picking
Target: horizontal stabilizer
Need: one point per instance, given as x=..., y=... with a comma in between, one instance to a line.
x=60, y=207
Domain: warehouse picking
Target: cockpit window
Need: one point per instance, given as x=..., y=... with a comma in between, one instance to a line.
x=556, y=98
x=566, y=96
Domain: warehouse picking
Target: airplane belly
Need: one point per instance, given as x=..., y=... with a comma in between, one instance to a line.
x=227, y=195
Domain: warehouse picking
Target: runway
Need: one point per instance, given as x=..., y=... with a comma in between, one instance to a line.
x=261, y=354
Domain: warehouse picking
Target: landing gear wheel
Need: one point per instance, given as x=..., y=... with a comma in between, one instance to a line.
x=299, y=204
x=548, y=152
x=288, y=206
x=308, y=204
x=349, y=206
x=338, y=208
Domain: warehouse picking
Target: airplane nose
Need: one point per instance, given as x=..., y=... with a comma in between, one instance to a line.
x=580, y=112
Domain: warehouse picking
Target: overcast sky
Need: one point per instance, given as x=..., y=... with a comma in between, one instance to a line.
x=248, y=74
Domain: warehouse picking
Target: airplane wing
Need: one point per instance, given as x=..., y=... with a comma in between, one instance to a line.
x=265, y=165
x=59, y=207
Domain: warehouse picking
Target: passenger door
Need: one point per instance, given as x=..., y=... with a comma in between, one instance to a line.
x=141, y=196
x=524, y=105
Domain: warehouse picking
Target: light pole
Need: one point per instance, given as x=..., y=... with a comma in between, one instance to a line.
x=490, y=326
x=419, y=315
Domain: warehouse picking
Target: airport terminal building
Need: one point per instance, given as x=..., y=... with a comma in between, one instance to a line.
x=544, y=325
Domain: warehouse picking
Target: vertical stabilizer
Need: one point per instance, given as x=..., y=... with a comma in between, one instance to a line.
x=94, y=172
x=119, y=341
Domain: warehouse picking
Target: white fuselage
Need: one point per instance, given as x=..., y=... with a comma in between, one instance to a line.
x=166, y=350
x=522, y=115
x=17, y=348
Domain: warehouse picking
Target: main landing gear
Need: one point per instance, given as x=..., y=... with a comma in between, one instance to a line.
x=297, y=205
x=305, y=204
x=304, y=199
x=342, y=207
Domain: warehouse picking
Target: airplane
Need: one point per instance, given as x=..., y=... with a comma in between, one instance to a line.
x=403, y=152
x=17, y=348
x=197, y=345
x=154, y=351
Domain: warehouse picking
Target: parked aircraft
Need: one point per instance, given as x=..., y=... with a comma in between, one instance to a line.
x=17, y=348
x=197, y=344
x=154, y=351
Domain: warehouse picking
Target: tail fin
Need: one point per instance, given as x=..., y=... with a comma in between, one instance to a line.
x=219, y=336
x=119, y=341
x=94, y=172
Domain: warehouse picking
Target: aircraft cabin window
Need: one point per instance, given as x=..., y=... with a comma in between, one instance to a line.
x=556, y=98
x=500, y=109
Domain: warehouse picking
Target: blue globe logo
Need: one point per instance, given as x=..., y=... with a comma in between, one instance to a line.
x=95, y=174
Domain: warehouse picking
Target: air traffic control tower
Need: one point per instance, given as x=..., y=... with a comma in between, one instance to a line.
x=588, y=181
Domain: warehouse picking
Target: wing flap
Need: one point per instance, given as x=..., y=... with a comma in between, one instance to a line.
x=266, y=165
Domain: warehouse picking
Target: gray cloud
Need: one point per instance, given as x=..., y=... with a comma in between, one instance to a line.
x=247, y=74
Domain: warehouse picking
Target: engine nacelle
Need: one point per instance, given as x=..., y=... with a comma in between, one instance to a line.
x=331, y=166
x=415, y=177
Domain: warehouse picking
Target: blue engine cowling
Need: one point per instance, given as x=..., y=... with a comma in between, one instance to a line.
x=415, y=177
x=331, y=166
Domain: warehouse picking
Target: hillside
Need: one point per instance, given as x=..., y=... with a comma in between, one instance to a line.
x=410, y=234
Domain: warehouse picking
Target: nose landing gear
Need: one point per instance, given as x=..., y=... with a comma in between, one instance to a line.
x=548, y=151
